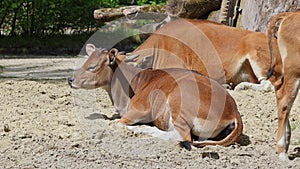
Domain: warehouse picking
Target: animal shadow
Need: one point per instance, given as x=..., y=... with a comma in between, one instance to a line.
x=295, y=154
x=244, y=140
x=95, y=116
x=212, y=155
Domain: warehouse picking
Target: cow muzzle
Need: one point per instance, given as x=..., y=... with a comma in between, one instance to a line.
x=70, y=82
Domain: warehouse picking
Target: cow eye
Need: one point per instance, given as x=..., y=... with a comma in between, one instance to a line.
x=92, y=68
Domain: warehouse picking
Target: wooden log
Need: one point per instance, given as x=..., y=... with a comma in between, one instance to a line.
x=195, y=9
x=109, y=14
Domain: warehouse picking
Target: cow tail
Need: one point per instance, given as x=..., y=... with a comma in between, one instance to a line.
x=272, y=33
x=228, y=140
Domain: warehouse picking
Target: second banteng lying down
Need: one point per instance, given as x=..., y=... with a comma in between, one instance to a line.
x=180, y=102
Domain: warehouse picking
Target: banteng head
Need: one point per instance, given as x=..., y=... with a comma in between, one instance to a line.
x=97, y=71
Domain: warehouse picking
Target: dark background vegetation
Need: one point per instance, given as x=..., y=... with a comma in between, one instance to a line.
x=51, y=27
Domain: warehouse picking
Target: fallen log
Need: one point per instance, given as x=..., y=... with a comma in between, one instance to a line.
x=109, y=14
x=195, y=9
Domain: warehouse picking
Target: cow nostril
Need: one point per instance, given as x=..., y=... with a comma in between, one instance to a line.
x=70, y=80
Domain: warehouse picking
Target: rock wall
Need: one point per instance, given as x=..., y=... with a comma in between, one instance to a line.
x=257, y=13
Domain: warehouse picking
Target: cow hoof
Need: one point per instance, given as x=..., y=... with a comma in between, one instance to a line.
x=121, y=125
x=186, y=145
x=283, y=156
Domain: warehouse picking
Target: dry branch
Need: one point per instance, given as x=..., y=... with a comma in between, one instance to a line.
x=109, y=14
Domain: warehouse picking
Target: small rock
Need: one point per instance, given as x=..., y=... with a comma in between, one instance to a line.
x=10, y=82
x=76, y=145
x=40, y=149
x=24, y=136
x=61, y=101
x=6, y=128
x=69, y=124
x=213, y=155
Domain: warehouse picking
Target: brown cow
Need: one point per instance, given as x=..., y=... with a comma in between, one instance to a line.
x=287, y=86
x=177, y=101
x=226, y=54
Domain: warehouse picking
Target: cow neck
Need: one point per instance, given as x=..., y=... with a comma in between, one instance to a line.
x=124, y=73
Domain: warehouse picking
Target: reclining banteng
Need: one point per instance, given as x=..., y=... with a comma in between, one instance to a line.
x=182, y=103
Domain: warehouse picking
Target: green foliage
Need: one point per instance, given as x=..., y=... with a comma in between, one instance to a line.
x=46, y=17
x=45, y=24
x=117, y=3
x=110, y=3
x=294, y=126
x=298, y=142
x=14, y=5
x=152, y=2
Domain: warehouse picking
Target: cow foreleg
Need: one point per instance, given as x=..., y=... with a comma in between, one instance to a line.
x=137, y=113
x=285, y=98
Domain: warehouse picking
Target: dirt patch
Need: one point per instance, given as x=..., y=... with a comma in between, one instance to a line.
x=39, y=69
x=45, y=124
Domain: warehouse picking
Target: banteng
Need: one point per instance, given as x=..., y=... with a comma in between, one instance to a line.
x=226, y=54
x=288, y=85
x=181, y=103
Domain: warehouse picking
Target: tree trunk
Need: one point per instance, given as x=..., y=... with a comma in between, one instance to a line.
x=13, y=25
x=196, y=9
x=257, y=13
x=32, y=22
x=3, y=18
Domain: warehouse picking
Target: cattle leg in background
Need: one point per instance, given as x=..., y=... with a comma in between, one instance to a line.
x=288, y=85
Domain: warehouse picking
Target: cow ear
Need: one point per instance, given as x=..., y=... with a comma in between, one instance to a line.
x=90, y=48
x=112, y=55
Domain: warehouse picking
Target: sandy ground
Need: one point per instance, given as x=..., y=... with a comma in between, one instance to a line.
x=45, y=124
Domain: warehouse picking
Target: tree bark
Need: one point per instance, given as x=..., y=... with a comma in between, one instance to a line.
x=14, y=20
x=257, y=13
x=195, y=9
x=3, y=18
